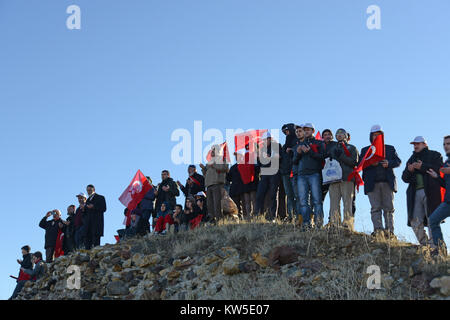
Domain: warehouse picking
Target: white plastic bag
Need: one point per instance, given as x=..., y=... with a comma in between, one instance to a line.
x=331, y=172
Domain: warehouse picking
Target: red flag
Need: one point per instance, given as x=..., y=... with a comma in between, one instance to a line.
x=59, y=244
x=134, y=193
x=318, y=136
x=117, y=239
x=223, y=150
x=246, y=140
x=245, y=168
x=375, y=153
x=442, y=189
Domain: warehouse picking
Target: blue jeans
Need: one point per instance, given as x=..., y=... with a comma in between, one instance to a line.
x=79, y=237
x=287, y=184
x=442, y=212
x=310, y=184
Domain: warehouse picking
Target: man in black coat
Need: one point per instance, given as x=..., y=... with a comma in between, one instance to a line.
x=195, y=183
x=424, y=192
x=380, y=185
x=167, y=191
x=69, y=230
x=51, y=232
x=94, y=211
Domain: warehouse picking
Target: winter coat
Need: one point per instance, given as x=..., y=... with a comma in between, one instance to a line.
x=51, y=231
x=430, y=160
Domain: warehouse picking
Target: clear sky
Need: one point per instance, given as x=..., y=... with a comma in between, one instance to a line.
x=96, y=104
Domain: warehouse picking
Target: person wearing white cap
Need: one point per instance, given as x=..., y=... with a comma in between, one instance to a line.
x=424, y=193
x=380, y=185
x=78, y=221
x=309, y=156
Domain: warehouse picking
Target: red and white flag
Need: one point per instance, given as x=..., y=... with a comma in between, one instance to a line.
x=134, y=193
x=375, y=153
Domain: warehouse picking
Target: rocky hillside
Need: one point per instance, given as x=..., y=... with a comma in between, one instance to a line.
x=248, y=261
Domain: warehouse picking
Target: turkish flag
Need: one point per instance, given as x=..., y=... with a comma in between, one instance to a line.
x=318, y=136
x=223, y=150
x=134, y=193
x=59, y=244
x=245, y=167
x=375, y=153
x=442, y=189
x=246, y=140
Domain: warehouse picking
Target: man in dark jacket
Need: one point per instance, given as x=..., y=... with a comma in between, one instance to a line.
x=424, y=192
x=23, y=277
x=69, y=230
x=309, y=157
x=95, y=209
x=195, y=183
x=268, y=160
x=147, y=210
x=167, y=191
x=443, y=211
x=51, y=232
x=380, y=184
x=286, y=167
x=347, y=155
x=78, y=221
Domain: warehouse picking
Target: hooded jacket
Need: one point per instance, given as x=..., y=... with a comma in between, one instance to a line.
x=286, y=156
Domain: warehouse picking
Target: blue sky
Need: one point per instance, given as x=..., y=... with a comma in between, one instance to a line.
x=96, y=104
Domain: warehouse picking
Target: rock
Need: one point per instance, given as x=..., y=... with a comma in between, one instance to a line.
x=154, y=293
x=282, y=255
x=173, y=275
x=422, y=282
x=260, y=260
x=377, y=252
x=211, y=258
x=127, y=276
x=164, y=272
x=117, y=288
x=182, y=263
x=85, y=295
x=417, y=267
x=387, y=281
x=226, y=252
x=190, y=275
x=126, y=264
x=442, y=283
x=231, y=266
x=248, y=266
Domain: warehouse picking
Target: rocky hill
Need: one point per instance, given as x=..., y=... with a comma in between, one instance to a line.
x=248, y=261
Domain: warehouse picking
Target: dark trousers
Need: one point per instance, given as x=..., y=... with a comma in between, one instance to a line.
x=18, y=288
x=49, y=254
x=79, y=237
x=91, y=240
x=267, y=185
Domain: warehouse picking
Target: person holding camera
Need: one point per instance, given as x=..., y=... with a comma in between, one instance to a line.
x=51, y=232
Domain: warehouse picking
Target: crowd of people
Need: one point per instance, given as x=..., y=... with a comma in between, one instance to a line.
x=294, y=192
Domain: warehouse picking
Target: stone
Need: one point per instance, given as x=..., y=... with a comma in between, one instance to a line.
x=231, y=265
x=117, y=288
x=260, y=260
x=248, y=266
x=173, y=275
x=210, y=259
x=422, y=282
x=282, y=255
x=226, y=252
x=443, y=284
x=387, y=282
x=126, y=264
x=182, y=263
